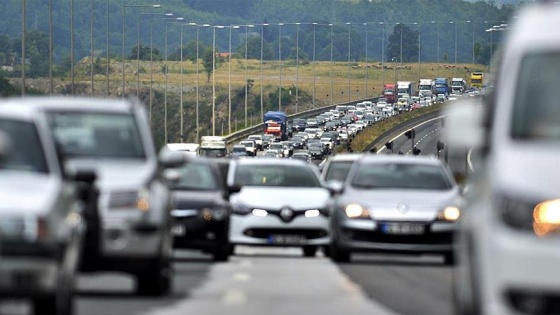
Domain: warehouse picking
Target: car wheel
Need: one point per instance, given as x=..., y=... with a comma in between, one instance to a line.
x=61, y=302
x=339, y=255
x=309, y=251
x=222, y=253
x=157, y=280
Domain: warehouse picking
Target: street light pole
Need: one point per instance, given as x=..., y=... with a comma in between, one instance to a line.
x=419, y=43
x=382, y=53
x=297, y=67
x=51, y=85
x=245, y=73
x=349, y=96
x=437, y=46
x=367, y=68
x=280, y=66
x=107, y=56
x=472, y=40
x=401, y=60
x=181, y=109
x=229, y=78
x=155, y=6
x=23, y=17
x=91, y=45
x=332, y=63
x=262, y=74
x=314, y=79
x=72, y=45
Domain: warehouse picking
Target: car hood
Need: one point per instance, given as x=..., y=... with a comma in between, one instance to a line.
x=279, y=197
x=118, y=174
x=27, y=193
x=401, y=204
x=197, y=199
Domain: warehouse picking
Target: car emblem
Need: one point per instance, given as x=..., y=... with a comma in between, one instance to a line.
x=286, y=214
x=402, y=208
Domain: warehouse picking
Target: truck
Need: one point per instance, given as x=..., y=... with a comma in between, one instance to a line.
x=458, y=85
x=190, y=149
x=275, y=123
x=442, y=86
x=477, y=80
x=389, y=91
x=405, y=89
x=212, y=146
x=425, y=88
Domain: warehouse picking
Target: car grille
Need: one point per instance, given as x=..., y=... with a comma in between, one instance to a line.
x=534, y=302
x=264, y=233
x=378, y=237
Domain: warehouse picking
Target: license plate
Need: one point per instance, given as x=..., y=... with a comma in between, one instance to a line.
x=403, y=228
x=287, y=239
x=178, y=230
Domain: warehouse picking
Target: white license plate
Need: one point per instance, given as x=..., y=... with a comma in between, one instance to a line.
x=287, y=239
x=178, y=230
x=403, y=228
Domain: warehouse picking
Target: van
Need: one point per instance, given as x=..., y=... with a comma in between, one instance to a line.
x=508, y=237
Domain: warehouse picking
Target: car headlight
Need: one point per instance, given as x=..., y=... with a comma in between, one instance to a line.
x=546, y=217
x=259, y=212
x=241, y=209
x=355, y=211
x=139, y=200
x=450, y=214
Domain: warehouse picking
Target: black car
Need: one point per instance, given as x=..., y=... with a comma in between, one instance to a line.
x=201, y=214
x=316, y=152
x=298, y=142
x=330, y=126
x=299, y=124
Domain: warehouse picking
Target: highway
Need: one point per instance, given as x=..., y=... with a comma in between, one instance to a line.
x=281, y=281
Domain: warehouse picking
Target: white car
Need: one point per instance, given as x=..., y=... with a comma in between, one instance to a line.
x=328, y=141
x=250, y=146
x=282, y=202
x=509, y=237
x=258, y=139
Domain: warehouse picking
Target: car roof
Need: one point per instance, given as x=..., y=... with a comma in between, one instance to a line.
x=269, y=162
x=345, y=157
x=27, y=106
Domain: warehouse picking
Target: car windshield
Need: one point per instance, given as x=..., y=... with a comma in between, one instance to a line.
x=26, y=152
x=276, y=175
x=238, y=149
x=196, y=176
x=101, y=135
x=277, y=146
x=338, y=170
x=247, y=144
x=536, y=114
x=400, y=176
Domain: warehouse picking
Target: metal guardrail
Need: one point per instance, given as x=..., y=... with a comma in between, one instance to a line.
x=244, y=133
x=380, y=141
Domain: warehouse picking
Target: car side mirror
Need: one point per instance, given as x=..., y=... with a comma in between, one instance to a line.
x=172, y=175
x=234, y=189
x=171, y=159
x=335, y=187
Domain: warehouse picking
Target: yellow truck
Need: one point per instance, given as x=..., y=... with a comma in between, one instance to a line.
x=477, y=80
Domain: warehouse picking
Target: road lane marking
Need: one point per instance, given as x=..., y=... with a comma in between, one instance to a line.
x=234, y=297
x=241, y=277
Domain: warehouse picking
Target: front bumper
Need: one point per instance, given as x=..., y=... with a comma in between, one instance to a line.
x=197, y=232
x=366, y=236
x=27, y=277
x=252, y=230
x=523, y=268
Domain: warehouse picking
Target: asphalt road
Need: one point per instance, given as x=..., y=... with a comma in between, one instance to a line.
x=281, y=281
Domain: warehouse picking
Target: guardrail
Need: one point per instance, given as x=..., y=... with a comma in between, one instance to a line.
x=244, y=133
x=380, y=141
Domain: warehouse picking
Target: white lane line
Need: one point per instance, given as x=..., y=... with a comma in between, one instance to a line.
x=469, y=160
x=234, y=297
x=241, y=277
x=396, y=137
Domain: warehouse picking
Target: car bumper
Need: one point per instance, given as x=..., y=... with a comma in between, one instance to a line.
x=522, y=270
x=251, y=230
x=198, y=233
x=27, y=277
x=366, y=236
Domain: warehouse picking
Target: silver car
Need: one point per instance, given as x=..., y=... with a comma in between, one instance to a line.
x=282, y=202
x=41, y=222
x=132, y=232
x=395, y=203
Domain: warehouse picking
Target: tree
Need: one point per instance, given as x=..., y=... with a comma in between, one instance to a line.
x=6, y=89
x=145, y=53
x=254, y=49
x=477, y=50
x=189, y=51
x=209, y=62
x=409, y=44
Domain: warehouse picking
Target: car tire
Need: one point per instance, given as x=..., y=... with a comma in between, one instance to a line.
x=157, y=280
x=222, y=253
x=309, y=251
x=339, y=255
x=61, y=302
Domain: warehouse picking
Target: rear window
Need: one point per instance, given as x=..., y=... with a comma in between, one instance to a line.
x=26, y=152
x=536, y=113
x=338, y=170
x=401, y=176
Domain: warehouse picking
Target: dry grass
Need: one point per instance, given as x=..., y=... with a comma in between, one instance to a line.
x=332, y=80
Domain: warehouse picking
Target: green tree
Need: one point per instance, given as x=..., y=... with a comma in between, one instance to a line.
x=145, y=53
x=209, y=62
x=407, y=39
x=254, y=49
x=6, y=88
x=189, y=51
